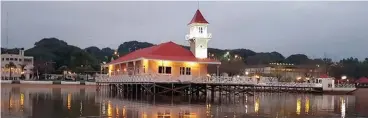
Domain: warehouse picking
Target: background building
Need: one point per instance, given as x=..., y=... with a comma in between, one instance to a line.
x=285, y=71
x=22, y=65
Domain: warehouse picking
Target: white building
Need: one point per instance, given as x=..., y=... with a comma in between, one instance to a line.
x=19, y=60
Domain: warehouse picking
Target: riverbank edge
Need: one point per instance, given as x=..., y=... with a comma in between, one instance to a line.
x=47, y=82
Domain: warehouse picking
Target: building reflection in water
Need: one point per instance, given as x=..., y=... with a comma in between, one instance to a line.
x=256, y=105
x=306, y=105
x=69, y=100
x=298, y=105
x=40, y=104
x=109, y=109
x=343, y=107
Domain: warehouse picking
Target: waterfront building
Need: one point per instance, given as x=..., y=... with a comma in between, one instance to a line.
x=170, y=58
x=23, y=65
x=285, y=70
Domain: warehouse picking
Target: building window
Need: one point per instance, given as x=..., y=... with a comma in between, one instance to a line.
x=15, y=59
x=27, y=60
x=20, y=59
x=182, y=70
x=11, y=59
x=7, y=59
x=164, y=70
x=168, y=70
x=185, y=71
x=200, y=29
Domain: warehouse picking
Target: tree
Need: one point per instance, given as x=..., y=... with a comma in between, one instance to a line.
x=297, y=59
x=10, y=66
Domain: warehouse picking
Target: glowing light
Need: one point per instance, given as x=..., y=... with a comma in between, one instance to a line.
x=306, y=105
x=343, y=77
x=125, y=69
x=307, y=78
x=191, y=64
x=298, y=106
x=164, y=63
x=246, y=73
x=298, y=78
x=208, y=75
x=145, y=62
x=111, y=67
x=256, y=105
x=69, y=100
x=256, y=76
x=144, y=115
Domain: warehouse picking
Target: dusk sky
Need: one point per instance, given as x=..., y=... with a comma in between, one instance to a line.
x=339, y=29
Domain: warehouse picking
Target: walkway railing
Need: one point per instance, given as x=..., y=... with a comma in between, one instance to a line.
x=204, y=80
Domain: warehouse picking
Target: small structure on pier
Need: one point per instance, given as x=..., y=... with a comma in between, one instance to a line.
x=169, y=58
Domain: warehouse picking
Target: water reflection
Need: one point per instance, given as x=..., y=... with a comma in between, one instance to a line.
x=298, y=105
x=47, y=102
x=306, y=105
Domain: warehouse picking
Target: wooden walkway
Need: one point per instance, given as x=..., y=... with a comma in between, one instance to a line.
x=199, y=87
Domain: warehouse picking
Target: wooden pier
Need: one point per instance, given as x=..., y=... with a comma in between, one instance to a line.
x=205, y=87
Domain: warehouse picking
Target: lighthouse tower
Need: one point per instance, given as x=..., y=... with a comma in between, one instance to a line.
x=198, y=36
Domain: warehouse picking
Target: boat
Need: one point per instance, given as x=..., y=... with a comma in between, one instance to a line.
x=329, y=87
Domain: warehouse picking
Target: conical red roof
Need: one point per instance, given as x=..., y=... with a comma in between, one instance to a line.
x=198, y=18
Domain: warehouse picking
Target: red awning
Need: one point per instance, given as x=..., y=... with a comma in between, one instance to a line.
x=166, y=51
x=362, y=80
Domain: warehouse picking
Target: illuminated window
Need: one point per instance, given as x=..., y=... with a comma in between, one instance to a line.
x=200, y=30
x=182, y=70
x=164, y=70
x=187, y=71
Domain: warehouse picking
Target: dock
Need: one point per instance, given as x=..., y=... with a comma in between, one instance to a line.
x=199, y=87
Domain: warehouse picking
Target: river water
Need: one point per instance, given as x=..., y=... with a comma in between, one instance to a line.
x=63, y=101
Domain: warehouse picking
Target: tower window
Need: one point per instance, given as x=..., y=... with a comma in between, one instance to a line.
x=200, y=29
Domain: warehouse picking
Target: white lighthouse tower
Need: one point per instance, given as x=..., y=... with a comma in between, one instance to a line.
x=198, y=36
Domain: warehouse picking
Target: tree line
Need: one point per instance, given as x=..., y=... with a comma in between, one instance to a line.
x=52, y=55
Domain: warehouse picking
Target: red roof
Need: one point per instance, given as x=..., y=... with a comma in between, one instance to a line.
x=324, y=76
x=362, y=80
x=165, y=51
x=198, y=18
